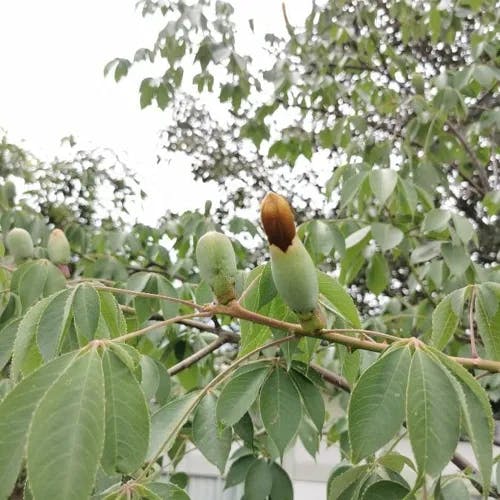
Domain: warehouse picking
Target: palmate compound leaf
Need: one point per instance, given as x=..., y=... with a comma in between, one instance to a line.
x=127, y=418
x=280, y=408
x=213, y=442
x=16, y=411
x=377, y=404
x=477, y=415
x=432, y=413
x=66, y=435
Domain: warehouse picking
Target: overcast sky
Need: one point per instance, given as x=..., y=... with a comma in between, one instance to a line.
x=52, y=55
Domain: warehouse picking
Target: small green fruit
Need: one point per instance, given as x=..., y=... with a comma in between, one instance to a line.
x=58, y=247
x=19, y=243
x=217, y=262
x=293, y=270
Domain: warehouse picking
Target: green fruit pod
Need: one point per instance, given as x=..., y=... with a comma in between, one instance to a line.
x=58, y=248
x=217, y=262
x=293, y=270
x=295, y=276
x=19, y=243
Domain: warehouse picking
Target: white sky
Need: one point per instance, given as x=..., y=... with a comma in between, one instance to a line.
x=52, y=55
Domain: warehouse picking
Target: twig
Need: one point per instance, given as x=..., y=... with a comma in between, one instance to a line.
x=149, y=295
x=159, y=324
x=195, y=357
x=480, y=169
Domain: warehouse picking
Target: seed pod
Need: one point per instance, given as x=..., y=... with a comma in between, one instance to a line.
x=217, y=262
x=58, y=247
x=293, y=270
x=19, y=244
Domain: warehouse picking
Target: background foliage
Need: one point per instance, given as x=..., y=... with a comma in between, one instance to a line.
x=380, y=121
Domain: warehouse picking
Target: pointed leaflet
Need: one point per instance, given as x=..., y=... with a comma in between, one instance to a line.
x=446, y=316
x=476, y=413
x=488, y=323
x=383, y=181
x=53, y=323
x=126, y=418
x=16, y=411
x=260, y=291
x=258, y=481
x=239, y=394
x=25, y=337
x=338, y=300
x=7, y=337
x=386, y=235
x=280, y=408
x=377, y=404
x=213, y=442
x=432, y=414
x=67, y=433
x=167, y=422
x=86, y=312
x=340, y=482
x=238, y=470
x=313, y=400
x=385, y=490
x=282, y=488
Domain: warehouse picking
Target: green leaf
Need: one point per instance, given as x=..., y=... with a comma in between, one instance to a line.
x=425, y=252
x=488, y=325
x=339, y=483
x=86, y=312
x=338, y=300
x=53, y=323
x=213, y=442
x=261, y=291
x=280, y=408
x=238, y=470
x=383, y=181
x=454, y=490
x=67, y=432
x=432, y=414
x=150, y=377
x=258, y=481
x=239, y=394
x=7, y=337
x=386, y=235
x=126, y=418
x=16, y=411
x=164, y=287
x=351, y=187
x=377, y=405
x=25, y=338
x=456, y=258
x=168, y=421
x=476, y=414
x=168, y=491
x=377, y=274
x=435, y=220
x=445, y=318
x=112, y=315
x=385, y=490
x=312, y=398
x=244, y=429
x=282, y=488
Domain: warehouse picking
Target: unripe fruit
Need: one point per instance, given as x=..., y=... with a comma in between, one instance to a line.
x=19, y=243
x=58, y=247
x=293, y=270
x=217, y=262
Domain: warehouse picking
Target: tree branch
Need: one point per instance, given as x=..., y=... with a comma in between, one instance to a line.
x=475, y=161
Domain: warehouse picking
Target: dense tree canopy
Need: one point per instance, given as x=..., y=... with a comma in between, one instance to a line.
x=380, y=122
